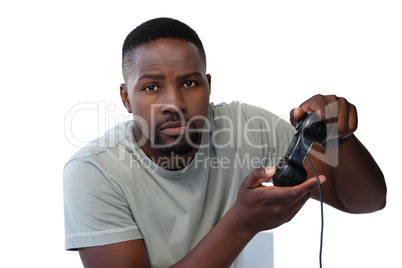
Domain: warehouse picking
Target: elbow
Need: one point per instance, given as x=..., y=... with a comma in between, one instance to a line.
x=381, y=195
x=365, y=208
x=383, y=198
x=376, y=206
x=368, y=208
x=368, y=202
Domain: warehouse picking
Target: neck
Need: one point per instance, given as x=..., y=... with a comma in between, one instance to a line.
x=173, y=162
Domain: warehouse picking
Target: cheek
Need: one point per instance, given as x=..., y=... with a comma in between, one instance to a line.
x=202, y=103
x=139, y=105
x=199, y=106
x=141, y=113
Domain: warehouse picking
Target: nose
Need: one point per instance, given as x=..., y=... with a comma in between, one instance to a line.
x=173, y=101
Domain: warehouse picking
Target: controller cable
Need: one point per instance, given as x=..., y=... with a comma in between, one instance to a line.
x=322, y=207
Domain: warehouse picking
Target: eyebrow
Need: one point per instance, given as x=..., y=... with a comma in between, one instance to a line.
x=186, y=76
x=151, y=77
x=161, y=76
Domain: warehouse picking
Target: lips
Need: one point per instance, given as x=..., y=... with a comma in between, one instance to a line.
x=174, y=128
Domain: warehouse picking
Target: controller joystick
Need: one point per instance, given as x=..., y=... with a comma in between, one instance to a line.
x=290, y=170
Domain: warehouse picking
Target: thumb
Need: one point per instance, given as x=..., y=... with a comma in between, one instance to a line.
x=295, y=115
x=258, y=176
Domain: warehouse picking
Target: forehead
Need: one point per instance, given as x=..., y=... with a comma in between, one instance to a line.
x=165, y=53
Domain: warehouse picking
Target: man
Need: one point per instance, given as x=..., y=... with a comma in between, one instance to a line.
x=181, y=184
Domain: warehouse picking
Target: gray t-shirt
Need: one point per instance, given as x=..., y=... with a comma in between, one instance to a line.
x=113, y=192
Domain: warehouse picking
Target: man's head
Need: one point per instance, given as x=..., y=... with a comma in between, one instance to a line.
x=159, y=28
x=166, y=87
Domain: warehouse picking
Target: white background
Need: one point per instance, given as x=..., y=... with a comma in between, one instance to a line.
x=275, y=54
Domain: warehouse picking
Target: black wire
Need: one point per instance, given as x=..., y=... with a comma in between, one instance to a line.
x=322, y=208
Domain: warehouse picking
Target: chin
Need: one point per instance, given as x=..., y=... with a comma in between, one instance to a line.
x=177, y=150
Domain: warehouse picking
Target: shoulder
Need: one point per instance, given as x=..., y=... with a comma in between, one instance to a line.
x=234, y=107
x=248, y=115
x=237, y=108
x=102, y=158
x=114, y=139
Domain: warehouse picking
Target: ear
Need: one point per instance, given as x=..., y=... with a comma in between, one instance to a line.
x=124, y=97
x=209, y=82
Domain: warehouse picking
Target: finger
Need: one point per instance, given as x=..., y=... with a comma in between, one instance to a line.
x=291, y=194
x=325, y=106
x=293, y=117
x=258, y=176
x=318, y=104
x=343, y=117
x=330, y=109
x=298, y=191
x=353, y=121
x=321, y=179
x=296, y=114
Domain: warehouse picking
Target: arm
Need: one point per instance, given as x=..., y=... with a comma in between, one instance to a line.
x=257, y=208
x=120, y=255
x=90, y=201
x=355, y=183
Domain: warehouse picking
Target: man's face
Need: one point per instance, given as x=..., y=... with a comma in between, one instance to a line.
x=167, y=90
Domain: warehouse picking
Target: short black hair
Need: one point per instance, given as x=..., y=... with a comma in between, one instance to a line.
x=159, y=28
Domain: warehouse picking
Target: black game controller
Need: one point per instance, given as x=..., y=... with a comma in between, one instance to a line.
x=290, y=170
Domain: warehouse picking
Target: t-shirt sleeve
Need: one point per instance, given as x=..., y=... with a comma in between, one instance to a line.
x=95, y=211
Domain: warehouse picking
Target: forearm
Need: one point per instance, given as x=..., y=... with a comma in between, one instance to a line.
x=354, y=183
x=357, y=179
x=257, y=208
x=221, y=246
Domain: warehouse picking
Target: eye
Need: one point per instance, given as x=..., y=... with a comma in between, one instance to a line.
x=151, y=88
x=189, y=84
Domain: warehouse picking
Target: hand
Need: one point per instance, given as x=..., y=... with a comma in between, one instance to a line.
x=337, y=112
x=267, y=207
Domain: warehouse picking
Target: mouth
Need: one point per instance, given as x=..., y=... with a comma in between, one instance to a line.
x=174, y=129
